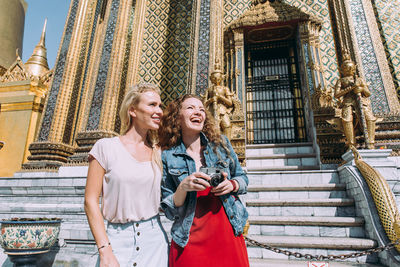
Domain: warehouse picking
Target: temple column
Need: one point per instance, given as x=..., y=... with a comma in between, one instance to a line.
x=309, y=43
x=49, y=150
x=104, y=92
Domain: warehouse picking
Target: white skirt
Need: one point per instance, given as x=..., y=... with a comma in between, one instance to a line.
x=140, y=244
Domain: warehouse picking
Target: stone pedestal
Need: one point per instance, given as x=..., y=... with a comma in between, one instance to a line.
x=24, y=260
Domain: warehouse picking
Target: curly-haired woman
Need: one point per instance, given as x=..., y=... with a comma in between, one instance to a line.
x=126, y=171
x=208, y=221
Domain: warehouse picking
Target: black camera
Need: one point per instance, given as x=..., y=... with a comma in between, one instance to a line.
x=214, y=173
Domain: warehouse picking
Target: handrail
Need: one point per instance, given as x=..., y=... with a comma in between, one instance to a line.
x=383, y=198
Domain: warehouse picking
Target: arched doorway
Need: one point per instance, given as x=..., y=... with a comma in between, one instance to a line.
x=273, y=65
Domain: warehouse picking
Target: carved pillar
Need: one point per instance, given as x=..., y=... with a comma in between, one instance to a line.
x=49, y=150
x=239, y=67
x=109, y=73
x=309, y=41
x=89, y=82
x=216, y=33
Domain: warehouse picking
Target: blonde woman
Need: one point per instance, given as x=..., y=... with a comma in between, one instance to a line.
x=126, y=171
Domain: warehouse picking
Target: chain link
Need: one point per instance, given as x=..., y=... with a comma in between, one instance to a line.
x=323, y=257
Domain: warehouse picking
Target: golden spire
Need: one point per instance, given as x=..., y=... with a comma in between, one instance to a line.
x=37, y=64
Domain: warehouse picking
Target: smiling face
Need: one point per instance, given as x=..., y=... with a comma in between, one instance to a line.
x=192, y=116
x=147, y=113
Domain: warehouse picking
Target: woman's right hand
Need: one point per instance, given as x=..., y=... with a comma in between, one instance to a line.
x=107, y=258
x=197, y=181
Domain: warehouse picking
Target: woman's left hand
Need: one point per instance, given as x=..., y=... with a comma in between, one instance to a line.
x=223, y=188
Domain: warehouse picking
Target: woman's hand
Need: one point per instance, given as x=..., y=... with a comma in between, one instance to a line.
x=195, y=182
x=225, y=187
x=107, y=258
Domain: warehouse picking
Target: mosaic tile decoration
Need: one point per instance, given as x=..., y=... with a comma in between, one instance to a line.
x=388, y=18
x=58, y=75
x=77, y=89
x=234, y=8
x=203, y=48
x=369, y=61
x=166, y=46
x=97, y=101
x=320, y=9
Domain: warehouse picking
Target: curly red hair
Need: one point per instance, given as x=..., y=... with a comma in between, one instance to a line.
x=170, y=129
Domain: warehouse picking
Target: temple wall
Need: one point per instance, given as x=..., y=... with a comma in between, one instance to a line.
x=166, y=46
x=388, y=18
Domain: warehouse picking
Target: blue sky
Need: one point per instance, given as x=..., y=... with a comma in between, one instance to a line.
x=38, y=10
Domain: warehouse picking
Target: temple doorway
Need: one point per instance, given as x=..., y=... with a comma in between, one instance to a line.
x=274, y=103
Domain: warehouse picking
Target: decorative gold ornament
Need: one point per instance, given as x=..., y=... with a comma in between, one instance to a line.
x=383, y=198
x=219, y=100
x=355, y=113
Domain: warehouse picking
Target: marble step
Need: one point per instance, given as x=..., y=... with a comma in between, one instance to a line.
x=282, y=168
x=311, y=245
x=42, y=190
x=306, y=220
x=282, y=156
x=43, y=198
x=307, y=226
x=42, y=181
x=331, y=202
x=296, y=191
x=338, y=243
x=302, y=263
x=298, y=177
x=270, y=149
x=41, y=208
x=308, y=187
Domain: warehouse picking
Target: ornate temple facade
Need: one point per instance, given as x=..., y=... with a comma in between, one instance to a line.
x=284, y=62
x=280, y=58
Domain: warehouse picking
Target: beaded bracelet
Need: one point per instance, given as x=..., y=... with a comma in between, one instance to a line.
x=233, y=184
x=103, y=246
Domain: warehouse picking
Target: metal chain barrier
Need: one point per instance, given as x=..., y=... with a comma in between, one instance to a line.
x=323, y=257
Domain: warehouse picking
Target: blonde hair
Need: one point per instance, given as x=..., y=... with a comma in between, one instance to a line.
x=132, y=99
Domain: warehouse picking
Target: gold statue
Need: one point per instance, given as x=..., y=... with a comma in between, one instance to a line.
x=352, y=94
x=219, y=101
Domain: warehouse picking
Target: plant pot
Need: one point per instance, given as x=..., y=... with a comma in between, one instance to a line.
x=25, y=236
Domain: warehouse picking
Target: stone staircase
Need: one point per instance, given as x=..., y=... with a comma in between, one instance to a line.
x=53, y=195
x=295, y=206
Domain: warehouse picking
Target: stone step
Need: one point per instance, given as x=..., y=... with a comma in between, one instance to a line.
x=275, y=162
x=282, y=156
x=42, y=181
x=41, y=208
x=281, y=168
x=298, y=177
x=306, y=220
x=336, y=243
x=347, y=211
x=295, y=194
x=270, y=149
x=314, y=246
x=302, y=263
x=44, y=198
x=308, y=187
x=42, y=190
x=331, y=202
x=295, y=191
x=306, y=226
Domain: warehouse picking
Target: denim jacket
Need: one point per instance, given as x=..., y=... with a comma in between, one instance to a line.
x=177, y=165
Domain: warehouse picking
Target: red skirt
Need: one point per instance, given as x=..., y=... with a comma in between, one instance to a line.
x=212, y=241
